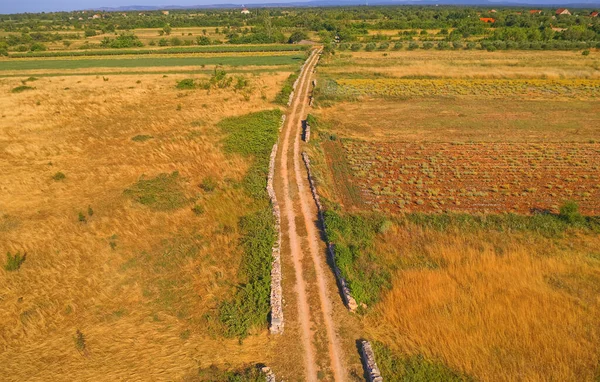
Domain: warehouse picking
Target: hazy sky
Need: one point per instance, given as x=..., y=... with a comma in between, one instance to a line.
x=19, y=6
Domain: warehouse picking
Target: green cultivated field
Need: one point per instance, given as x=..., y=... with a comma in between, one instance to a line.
x=175, y=50
x=148, y=62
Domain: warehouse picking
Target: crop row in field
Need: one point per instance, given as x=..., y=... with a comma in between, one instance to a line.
x=477, y=177
x=175, y=50
x=541, y=88
x=147, y=62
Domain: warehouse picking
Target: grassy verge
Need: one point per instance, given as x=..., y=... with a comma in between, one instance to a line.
x=547, y=225
x=353, y=237
x=412, y=368
x=253, y=136
x=147, y=62
x=247, y=374
x=177, y=50
x=284, y=95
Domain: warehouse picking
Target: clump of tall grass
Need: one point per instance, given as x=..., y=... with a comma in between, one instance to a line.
x=163, y=192
x=14, y=262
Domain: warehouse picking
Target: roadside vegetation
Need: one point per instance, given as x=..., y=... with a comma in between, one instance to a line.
x=252, y=136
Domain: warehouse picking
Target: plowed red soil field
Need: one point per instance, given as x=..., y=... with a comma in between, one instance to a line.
x=477, y=177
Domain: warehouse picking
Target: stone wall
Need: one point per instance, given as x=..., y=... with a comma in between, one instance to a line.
x=349, y=301
x=276, y=289
x=269, y=375
x=368, y=358
x=305, y=131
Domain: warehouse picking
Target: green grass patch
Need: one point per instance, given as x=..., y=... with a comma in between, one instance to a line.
x=165, y=277
x=22, y=88
x=187, y=83
x=250, y=305
x=414, y=368
x=141, y=138
x=544, y=224
x=59, y=176
x=162, y=193
x=243, y=374
x=147, y=62
x=283, y=96
x=352, y=236
x=14, y=262
x=176, y=50
x=253, y=135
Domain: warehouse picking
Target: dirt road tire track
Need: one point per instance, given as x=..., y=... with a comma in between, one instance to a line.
x=293, y=174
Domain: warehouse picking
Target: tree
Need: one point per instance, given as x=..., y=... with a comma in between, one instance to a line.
x=37, y=47
x=297, y=36
x=202, y=40
x=167, y=29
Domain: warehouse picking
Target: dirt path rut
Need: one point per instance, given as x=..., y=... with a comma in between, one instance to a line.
x=306, y=251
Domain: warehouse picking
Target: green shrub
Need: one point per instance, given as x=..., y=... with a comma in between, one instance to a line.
x=198, y=210
x=569, y=212
x=370, y=47
x=355, y=47
x=585, y=53
x=59, y=176
x=37, y=47
x=14, y=262
x=162, y=193
x=209, y=184
x=81, y=217
x=141, y=138
x=21, y=88
x=187, y=83
x=80, y=342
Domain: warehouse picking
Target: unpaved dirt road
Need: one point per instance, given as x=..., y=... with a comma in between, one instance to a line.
x=304, y=242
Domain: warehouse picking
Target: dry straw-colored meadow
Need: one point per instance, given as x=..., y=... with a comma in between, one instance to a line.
x=502, y=307
x=140, y=283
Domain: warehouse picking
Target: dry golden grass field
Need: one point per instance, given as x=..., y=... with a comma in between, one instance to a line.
x=501, y=297
x=138, y=275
